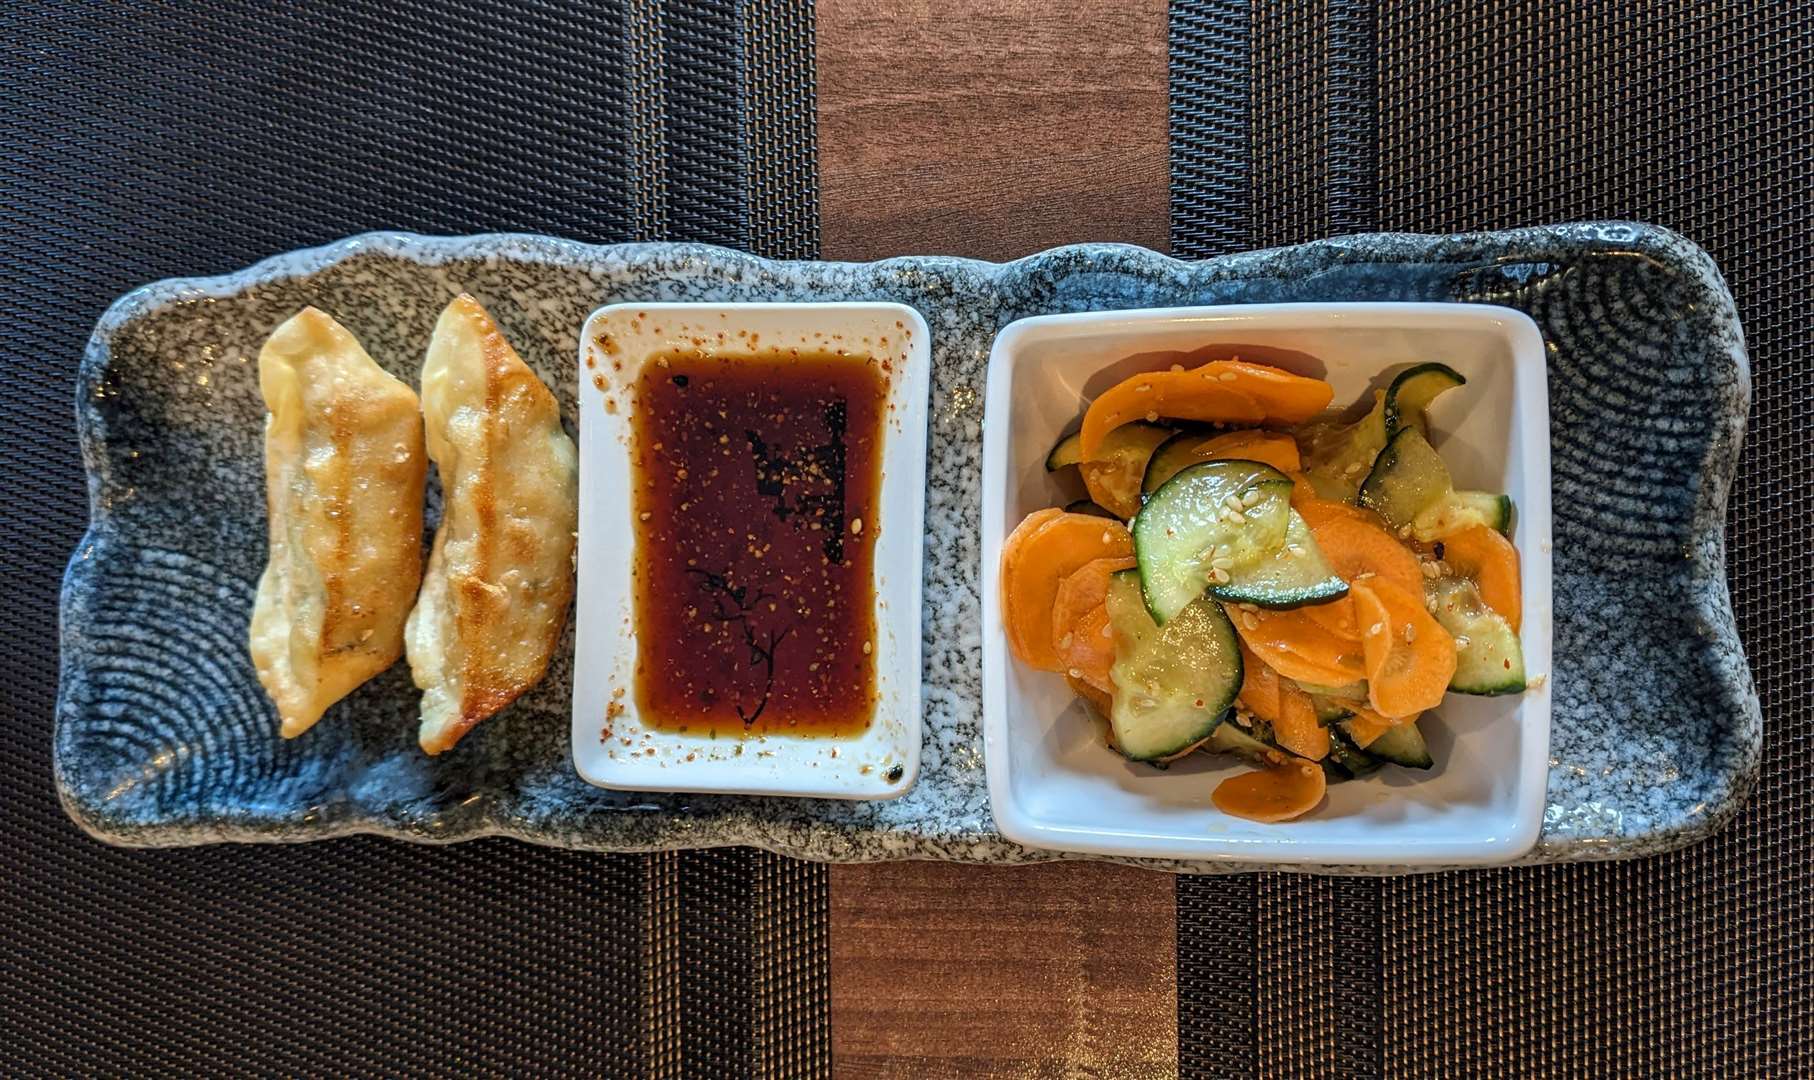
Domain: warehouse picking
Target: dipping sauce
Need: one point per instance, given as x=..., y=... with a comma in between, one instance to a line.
x=756, y=487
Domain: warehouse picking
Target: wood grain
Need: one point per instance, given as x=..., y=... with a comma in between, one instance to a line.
x=1060, y=970
x=991, y=129
x=994, y=130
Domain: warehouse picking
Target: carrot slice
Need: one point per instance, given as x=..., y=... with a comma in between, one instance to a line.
x=1035, y=562
x=1356, y=548
x=1080, y=621
x=1291, y=788
x=1271, y=447
x=1410, y=657
x=1491, y=560
x=1181, y=395
x=1366, y=725
x=1260, y=684
x=1316, y=510
x=1337, y=616
x=1287, y=398
x=1297, y=729
x=1298, y=647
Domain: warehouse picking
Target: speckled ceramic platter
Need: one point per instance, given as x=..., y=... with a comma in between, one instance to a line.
x=163, y=736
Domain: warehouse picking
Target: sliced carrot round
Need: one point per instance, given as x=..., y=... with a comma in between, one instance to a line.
x=1357, y=548
x=1410, y=658
x=1080, y=621
x=1297, y=728
x=1287, y=398
x=1289, y=789
x=1035, y=561
x=1178, y=395
x=1259, y=692
x=1491, y=560
x=1298, y=647
x=1365, y=725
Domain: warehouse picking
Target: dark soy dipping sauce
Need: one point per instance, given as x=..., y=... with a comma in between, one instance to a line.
x=756, y=486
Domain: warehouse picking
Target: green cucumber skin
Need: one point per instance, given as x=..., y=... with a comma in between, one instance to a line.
x=1094, y=509
x=1195, y=657
x=1065, y=452
x=1481, y=664
x=1182, y=522
x=1160, y=464
x=1403, y=746
x=1411, y=392
x=1282, y=580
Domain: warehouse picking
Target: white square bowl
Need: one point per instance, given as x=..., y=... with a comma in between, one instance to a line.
x=1053, y=784
x=880, y=763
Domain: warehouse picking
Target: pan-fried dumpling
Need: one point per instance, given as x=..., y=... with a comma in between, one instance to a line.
x=500, y=577
x=344, y=471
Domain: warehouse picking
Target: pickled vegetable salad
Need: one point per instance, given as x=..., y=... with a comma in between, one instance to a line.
x=1286, y=588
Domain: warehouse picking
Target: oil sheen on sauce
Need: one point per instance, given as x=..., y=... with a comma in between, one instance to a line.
x=756, y=483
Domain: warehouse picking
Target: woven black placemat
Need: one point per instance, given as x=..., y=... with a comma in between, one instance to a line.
x=1434, y=117
x=146, y=141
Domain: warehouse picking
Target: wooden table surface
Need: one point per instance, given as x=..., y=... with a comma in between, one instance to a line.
x=995, y=130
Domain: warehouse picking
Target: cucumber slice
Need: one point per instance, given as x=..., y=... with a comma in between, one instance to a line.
x=1113, y=476
x=1087, y=506
x=1248, y=744
x=1337, y=461
x=1411, y=488
x=1408, y=478
x=1345, y=759
x=1171, y=458
x=1187, y=523
x=1403, y=745
x=1292, y=575
x=1174, y=684
x=1066, y=451
x=1492, y=510
x=1411, y=392
x=1488, y=658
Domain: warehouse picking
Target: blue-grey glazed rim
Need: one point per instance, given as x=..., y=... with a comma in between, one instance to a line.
x=1623, y=303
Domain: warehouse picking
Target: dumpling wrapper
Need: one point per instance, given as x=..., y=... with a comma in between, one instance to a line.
x=344, y=472
x=500, y=578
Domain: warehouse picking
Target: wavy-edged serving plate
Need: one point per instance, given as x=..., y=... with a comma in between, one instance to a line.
x=164, y=737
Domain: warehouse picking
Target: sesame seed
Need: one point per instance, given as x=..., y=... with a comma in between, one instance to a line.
x=1251, y=497
x=1233, y=502
x=1218, y=575
x=1404, y=532
x=1410, y=633
x=644, y=516
x=1297, y=550
x=1223, y=551
x=1177, y=367
x=1107, y=537
x=1429, y=570
x=1065, y=642
x=1250, y=620
x=1227, y=376
x=1461, y=642
x=1353, y=467
x=868, y=648
x=1152, y=417
x=1376, y=629
x=1142, y=388
x=1222, y=564
x=1075, y=674
x=1107, y=630
x=856, y=526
